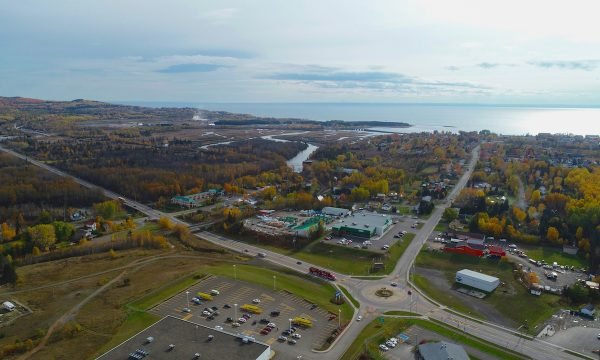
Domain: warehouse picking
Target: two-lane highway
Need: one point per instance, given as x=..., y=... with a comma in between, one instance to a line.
x=371, y=305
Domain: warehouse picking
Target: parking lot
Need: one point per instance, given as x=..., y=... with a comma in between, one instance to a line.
x=376, y=243
x=236, y=292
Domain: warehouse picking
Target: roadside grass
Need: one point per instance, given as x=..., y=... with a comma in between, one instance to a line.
x=165, y=292
x=511, y=300
x=401, y=313
x=347, y=260
x=554, y=255
x=376, y=333
x=349, y=297
x=311, y=289
x=136, y=321
x=442, y=296
x=403, y=210
x=441, y=227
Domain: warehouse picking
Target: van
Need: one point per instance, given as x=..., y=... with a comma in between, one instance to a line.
x=262, y=254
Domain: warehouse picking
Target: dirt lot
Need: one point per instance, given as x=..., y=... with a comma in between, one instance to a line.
x=237, y=292
x=438, y=279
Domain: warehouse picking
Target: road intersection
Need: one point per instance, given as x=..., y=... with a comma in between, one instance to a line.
x=364, y=290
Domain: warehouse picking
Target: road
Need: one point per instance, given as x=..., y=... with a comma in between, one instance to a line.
x=363, y=290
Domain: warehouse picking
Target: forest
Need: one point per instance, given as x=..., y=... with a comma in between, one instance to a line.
x=555, y=195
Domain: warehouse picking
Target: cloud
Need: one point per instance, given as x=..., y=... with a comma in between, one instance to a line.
x=376, y=81
x=586, y=65
x=219, y=15
x=452, y=68
x=189, y=68
x=487, y=65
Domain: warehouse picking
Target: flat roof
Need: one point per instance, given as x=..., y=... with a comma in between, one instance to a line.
x=478, y=275
x=189, y=338
x=359, y=220
x=334, y=210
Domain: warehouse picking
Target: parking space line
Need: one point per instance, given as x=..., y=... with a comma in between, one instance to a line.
x=187, y=317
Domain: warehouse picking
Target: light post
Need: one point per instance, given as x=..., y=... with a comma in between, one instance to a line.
x=234, y=272
x=196, y=332
x=234, y=312
x=290, y=324
x=187, y=297
x=274, y=283
x=339, y=318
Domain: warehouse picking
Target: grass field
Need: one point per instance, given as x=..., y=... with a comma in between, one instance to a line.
x=346, y=260
x=551, y=255
x=350, y=297
x=401, y=313
x=165, y=292
x=376, y=333
x=512, y=300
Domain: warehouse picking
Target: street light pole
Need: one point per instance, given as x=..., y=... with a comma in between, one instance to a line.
x=187, y=297
x=234, y=312
x=339, y=318
x=274, y=283
x=290, y=324
x=234, y=272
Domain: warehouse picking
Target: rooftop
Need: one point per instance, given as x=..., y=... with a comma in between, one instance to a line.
x=442, y=351
x=364, y=220
x=189, y=338
x=476, y=274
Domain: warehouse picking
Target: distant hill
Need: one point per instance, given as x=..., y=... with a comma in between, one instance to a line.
x=27, y=109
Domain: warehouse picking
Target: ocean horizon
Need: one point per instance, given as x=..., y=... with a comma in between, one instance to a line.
x=501, y=119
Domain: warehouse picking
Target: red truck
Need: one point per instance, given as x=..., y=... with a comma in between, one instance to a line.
x=321, y=273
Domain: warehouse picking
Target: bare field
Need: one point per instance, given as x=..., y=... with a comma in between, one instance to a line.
x=106, y=317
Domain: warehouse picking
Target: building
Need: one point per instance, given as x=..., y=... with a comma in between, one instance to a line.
x=441, y=351
x=193, y=200
x=174, y=338
x=588, y=310
x=363, y=225
x=333, y=211
x=477, y=280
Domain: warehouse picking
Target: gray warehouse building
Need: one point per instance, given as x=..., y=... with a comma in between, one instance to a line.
x=172, y=338
x=477, y=280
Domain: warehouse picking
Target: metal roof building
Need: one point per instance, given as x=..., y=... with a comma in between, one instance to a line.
x=363, y=224
x=333, y=211
x=172, y=338
x=441, y=351
x=477, y=280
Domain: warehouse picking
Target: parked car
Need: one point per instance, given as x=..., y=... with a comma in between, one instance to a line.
x=282, y=338
x=383, y=347
x=271, y=325
x=292, y=342
x=275, y=313
x=242, y=320
x=296, y=336
x=226, y=306
x=264, y=321
x=256, y=301
x=235, y=324
x=186, y=310
x=215, y=292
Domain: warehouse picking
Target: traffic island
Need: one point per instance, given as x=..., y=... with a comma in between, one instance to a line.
x=384, y=292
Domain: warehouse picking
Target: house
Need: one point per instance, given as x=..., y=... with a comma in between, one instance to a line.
x=589, y=310
x=441, y=351
x=90, y=226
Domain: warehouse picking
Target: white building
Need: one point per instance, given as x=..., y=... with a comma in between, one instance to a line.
x=333, y=211
x=477, y=280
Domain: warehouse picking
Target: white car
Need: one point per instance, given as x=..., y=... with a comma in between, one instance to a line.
x=359, y=318
x=256, y=301
x=390, y=344
x=235, y=324
x=205, y=313
x=214, y=292
x=296, y=336
x=271, y=325
x=186, y=310
x=218, y=327
x=383, y=347
x=242, y=320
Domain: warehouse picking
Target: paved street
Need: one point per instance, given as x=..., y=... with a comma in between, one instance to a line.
x=363, y=290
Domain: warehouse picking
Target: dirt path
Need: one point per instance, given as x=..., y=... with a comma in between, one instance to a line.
x=521, y=202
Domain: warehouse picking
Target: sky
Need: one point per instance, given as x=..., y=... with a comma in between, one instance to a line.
x=461, y=51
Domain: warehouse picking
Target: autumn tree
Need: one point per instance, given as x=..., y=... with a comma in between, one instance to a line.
x=450, y=214
x=552, y=235
x=7, y=232
x=108, y=209
x=42, y=235
x=64, y=231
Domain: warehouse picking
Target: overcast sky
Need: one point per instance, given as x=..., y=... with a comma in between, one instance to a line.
x=525, y=51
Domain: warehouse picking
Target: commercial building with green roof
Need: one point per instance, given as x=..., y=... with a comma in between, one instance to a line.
x=363, y=224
